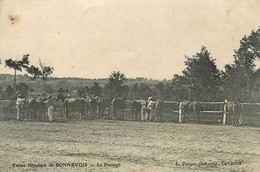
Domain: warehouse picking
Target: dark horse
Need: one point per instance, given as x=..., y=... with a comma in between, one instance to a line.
x=118, y=104
x=73, y=104
x=159, y=109
x=187, y=108
x=92, y=104
x=102, y=104
x=136, y=108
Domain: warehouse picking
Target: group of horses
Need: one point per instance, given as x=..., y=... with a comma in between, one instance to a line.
x=234, y=111
x=32, y=109
x=90, y=107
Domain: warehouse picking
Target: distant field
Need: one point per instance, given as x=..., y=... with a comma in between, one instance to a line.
x=135, y=146
x=72, y=84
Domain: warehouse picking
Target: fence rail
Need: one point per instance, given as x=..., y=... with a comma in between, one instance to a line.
x=4, y=102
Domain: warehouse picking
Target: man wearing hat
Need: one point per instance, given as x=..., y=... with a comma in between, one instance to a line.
x=50, y=104
x=19, y=106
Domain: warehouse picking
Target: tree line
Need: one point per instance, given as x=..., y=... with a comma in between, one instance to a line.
x=200, y=80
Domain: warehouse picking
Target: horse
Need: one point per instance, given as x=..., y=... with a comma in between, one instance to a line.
x=118, y=104
x=41, y=108
x=92, y=104
x=159, y=109
x=187, y=108
x=136, y=108
x=73, y=105
x=32, y=106
x=102, y=104
x=235, y=112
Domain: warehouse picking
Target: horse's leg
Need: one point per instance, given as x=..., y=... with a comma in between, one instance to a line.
x=188, y=117
x=80, y=114
x=184, y=115
x=66, y=110
x=197, y=114
x=113, y=112
x=98, y=107
x=44, y=119
x=109, y=108
x=30, y=114
x=102, y=112
x=22, y=115
x=33, y=114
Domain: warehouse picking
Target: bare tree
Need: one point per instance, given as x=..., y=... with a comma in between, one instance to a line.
x=43, y=72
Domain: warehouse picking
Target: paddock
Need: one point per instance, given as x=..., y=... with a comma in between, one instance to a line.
x=128, y=145
x=212, y=113
x=131, y=145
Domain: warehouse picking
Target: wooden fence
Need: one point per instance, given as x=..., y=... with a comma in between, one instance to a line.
x=4, y=108
x=213, y=112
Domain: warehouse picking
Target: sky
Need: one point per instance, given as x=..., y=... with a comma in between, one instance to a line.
x=147, y=38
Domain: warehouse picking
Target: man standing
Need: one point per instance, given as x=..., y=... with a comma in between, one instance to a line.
x=50, y=104
x=143, y=112
x=20, y=107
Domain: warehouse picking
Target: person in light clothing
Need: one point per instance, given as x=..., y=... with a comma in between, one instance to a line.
x=50, y=105
x=20, y=107
x=150, y=110
x=143, y=112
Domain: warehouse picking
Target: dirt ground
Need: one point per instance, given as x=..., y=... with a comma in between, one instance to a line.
x=106, y=145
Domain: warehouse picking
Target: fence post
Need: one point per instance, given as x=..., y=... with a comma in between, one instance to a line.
x=225, y=112
x=180, y=114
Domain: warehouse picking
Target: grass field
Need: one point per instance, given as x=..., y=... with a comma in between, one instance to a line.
x=127, y=146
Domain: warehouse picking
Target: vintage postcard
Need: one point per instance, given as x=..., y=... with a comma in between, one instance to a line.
x=129, y=85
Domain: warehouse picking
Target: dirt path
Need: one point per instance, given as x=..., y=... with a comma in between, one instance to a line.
x=131, y=146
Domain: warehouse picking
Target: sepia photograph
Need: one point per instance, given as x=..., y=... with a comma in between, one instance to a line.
x=130, y=85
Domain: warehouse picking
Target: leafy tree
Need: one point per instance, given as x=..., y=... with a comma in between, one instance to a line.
x=133, y=91
x=9, y=91
x=180, y=88
x=23, y=88
x=144, y=91
x=43, y=72
x=117, y=79
x=115, y=84
x=48, y=89
x=17, y=65
x=82, y=90
x=96, y=89
x=201, y=76
x=240, y=80
x=248, y=51
x=61, y=91
x=164, y=90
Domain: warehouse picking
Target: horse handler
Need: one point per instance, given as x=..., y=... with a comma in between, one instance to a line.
x=20, y=107
x=143, y=112
x=50, y=104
